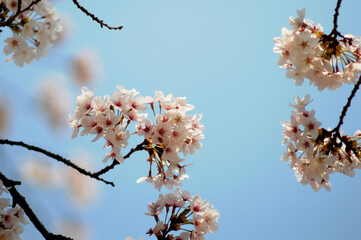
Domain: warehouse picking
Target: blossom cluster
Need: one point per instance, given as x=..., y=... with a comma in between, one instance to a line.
x=34, y=29
x=172, y=133
x=314, y=153
x=306, y=52
x=182, y=210
x=10, y=218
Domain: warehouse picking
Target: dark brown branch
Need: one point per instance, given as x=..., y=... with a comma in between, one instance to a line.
x=101, y=22
x=139, y=147
x=95, y=175
x=56, y=157
x=348, y=104
x=21, y=201
x=334, y=31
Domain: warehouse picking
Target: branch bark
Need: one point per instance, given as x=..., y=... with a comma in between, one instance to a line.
x=95, y=175
x=21, y=201
x=348, y=104
x=96, y=19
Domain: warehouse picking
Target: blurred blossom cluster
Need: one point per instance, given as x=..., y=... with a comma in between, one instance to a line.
x=172, y=133
x=182, y=210
x=85, y=67
x=4, y=115
x=74, y=229
x=306, y=52
x=35, y=29
x=131, y=238
x=11, y=218
x=313, y=152
x=54, y=99
x=80, y=189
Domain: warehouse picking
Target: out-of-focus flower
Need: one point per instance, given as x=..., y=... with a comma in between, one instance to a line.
x=41, y=173
x=4, y=115
x=54, y=99
x=81, y=189
x=67, y=27
x=74, y=229
x=86, y=67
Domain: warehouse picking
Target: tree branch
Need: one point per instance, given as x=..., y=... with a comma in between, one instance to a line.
x=95, y=175
x=21, y=201
x=139, y=147
x=335, y=18
x=101, y=22
x=56, y=157
x=348, y=104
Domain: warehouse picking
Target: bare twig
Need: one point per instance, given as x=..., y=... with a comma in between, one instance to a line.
x=348, y=104
x=21, y=201
x=139, y=147
x=56, y=157
x=334, y=31
x=95, y=175
x=101, y=22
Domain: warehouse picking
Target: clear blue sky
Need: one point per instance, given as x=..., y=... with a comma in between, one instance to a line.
x=219, y=55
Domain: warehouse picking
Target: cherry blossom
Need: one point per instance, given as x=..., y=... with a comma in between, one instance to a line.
x=173, y=132
x=184, y=212
x=313, y=152
x=34, y=31
x=307, y=52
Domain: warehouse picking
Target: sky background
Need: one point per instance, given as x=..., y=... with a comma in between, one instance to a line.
x=219, y=55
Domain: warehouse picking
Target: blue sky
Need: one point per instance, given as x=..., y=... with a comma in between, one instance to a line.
x=219, y=55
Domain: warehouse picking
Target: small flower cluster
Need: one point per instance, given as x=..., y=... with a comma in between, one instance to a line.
x=314, y=153
x=10, y=218
x=174, y=131
x=306, y=52
x=104, y=117
x=34, y=30
x=181, y=210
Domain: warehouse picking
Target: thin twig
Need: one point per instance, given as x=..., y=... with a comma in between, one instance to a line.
x=348, y=104
x=101, y=22
x=139, y=147
x=56, y=157
x=21, y=201
x=95, y=175
x=335, y=18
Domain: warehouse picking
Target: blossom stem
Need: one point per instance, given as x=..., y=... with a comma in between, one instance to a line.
x=348, y=104
x=21, y=201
